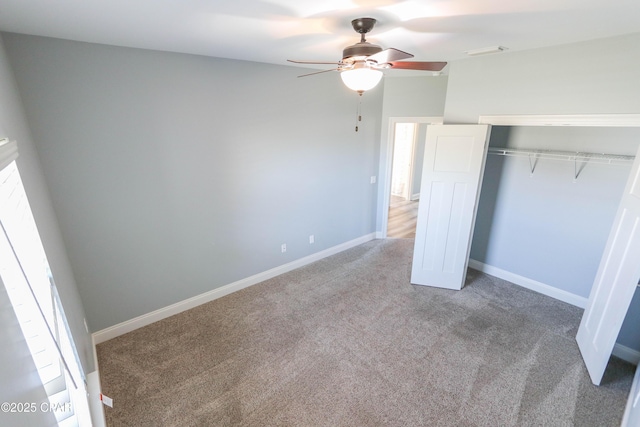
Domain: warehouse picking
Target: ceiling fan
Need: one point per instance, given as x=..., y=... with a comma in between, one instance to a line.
x=361, y=63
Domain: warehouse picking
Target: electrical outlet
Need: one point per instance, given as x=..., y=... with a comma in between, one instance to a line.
x=312, y=239
x=283, y=248
x=373, y=179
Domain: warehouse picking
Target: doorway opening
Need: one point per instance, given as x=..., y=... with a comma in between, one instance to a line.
x=403, y=203
x=399, y=199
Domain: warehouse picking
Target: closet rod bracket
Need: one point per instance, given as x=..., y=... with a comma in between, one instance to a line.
x=533, y=163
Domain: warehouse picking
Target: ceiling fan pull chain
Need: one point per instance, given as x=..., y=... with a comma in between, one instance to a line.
x=358, y=108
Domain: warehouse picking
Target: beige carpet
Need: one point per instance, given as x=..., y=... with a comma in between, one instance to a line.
x=347, y=341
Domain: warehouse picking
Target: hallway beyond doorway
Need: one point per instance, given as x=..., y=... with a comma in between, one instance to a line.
x=402, y=218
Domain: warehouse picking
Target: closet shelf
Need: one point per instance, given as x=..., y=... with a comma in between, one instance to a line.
x=574, y=156
x=579, y=159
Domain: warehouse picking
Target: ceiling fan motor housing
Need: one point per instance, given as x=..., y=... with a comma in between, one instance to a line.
x=363, y=49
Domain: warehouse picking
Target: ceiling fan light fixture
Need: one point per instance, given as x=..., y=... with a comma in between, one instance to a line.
x=361, y=78
x=362, y=63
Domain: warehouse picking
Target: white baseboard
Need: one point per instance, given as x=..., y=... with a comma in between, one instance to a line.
x=162, y=313
x=625, y=353
x=534, y=285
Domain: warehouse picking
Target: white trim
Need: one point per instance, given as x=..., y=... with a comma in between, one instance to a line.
x=95, y=352
x=93, y=396
x=534, y=285
x=625, y=353
x=430, y=120
x=162, y=313
x=409, y=190
x=386, y=158
x=599, y=120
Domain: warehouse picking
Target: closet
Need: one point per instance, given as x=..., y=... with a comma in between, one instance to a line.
x=545, y=211
x=547, y=215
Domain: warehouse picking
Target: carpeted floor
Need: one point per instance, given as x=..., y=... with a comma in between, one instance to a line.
x=347, y=341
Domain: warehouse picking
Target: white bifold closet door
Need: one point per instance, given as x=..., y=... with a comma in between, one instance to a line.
x=454, y=161
x=615, y=282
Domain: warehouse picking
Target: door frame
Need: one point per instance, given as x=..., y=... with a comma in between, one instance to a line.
x=386, y=162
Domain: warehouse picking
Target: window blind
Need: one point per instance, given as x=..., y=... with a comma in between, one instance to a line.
x=8, y=152
x=29, y=283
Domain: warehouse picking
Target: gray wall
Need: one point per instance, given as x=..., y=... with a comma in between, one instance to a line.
x=630, y=333
x=414, y=96
x=19, y=381
x=175, y=174
x=598, y=77
x=564, y=225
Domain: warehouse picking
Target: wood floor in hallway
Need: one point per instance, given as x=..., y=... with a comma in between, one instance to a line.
x=403, y=216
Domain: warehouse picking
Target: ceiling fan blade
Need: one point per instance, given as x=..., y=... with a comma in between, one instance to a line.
x=312, y=62
x=389, y=55
x=415, y=65
x=319, y=72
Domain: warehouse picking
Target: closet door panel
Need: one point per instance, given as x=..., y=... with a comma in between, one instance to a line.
x=452, y=174
x=615, y=282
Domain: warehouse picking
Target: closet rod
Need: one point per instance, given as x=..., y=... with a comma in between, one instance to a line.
x=563, y=155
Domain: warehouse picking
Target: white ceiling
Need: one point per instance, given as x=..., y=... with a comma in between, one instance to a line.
x=272, y=31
